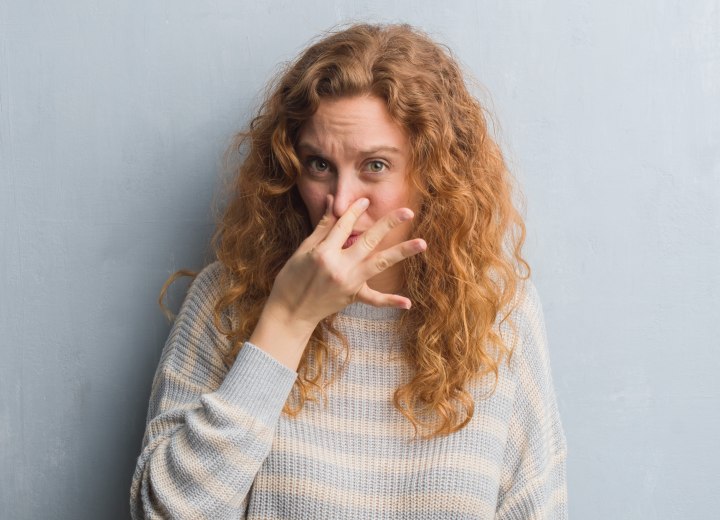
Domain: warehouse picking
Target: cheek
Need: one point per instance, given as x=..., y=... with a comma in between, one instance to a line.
x=387, y=200
x=314, y=196
x=392, y=197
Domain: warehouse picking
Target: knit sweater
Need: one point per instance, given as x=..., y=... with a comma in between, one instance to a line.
x=218, y=446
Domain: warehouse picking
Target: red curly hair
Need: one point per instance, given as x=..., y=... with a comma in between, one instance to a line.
x=470, y=271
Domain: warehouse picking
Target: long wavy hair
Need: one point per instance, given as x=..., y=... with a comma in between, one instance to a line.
x=469, y=273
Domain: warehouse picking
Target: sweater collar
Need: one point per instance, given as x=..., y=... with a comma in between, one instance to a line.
x=370, y=312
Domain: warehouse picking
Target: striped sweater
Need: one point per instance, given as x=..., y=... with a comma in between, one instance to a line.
x=218, y=446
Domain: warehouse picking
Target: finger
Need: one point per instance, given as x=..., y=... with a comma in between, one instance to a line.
x=373, y=236
x=322, y=229
x=344, y=226
x=378, y=299
x=380, y=261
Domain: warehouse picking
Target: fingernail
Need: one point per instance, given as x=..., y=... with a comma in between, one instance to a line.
x=364, y=203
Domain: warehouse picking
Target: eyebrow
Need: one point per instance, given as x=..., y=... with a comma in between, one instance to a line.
x=316, y=151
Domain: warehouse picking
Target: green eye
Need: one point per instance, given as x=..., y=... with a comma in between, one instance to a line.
x=376, y=166
x=318, y=164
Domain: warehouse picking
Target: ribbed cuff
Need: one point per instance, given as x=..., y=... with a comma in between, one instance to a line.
x=258, y=383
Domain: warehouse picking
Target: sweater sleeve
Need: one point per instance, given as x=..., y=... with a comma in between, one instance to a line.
x=533, y=480
x=208, y=429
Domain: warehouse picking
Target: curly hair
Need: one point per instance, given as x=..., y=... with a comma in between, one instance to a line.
x=469, y=273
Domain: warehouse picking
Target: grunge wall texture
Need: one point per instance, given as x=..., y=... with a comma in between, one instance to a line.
x=113, y=120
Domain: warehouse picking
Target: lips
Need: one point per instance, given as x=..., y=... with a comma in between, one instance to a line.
x=351, y=239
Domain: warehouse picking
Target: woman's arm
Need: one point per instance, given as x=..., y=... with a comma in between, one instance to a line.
x=209, y=429
x=533, y=485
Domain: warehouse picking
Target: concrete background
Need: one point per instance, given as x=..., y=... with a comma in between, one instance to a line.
x=113, y=120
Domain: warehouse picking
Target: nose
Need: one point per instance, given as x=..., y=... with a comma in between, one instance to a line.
x=346, y=191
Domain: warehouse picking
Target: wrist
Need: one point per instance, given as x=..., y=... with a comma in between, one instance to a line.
x=282, y=335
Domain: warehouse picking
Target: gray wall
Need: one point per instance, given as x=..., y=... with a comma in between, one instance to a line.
x=113, y=119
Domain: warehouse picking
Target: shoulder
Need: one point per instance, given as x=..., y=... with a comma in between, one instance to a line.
x=209, y=282
x=526, y=330
x=522, y=320
x=205, y=290
x=192, y=361
x=195, y=325
x=529, y=313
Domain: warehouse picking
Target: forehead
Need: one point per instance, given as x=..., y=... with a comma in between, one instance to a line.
x=361, y=122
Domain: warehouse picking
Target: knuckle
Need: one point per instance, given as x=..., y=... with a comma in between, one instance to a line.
x=382, y=263
x=369, y=242
x=319, y=256
x=337, y=278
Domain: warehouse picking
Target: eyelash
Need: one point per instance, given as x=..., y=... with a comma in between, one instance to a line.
x=310, y=161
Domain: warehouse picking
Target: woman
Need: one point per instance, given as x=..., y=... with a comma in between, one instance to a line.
x=365, y=345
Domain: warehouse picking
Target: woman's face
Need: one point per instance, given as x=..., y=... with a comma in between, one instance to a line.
x=351, y=148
